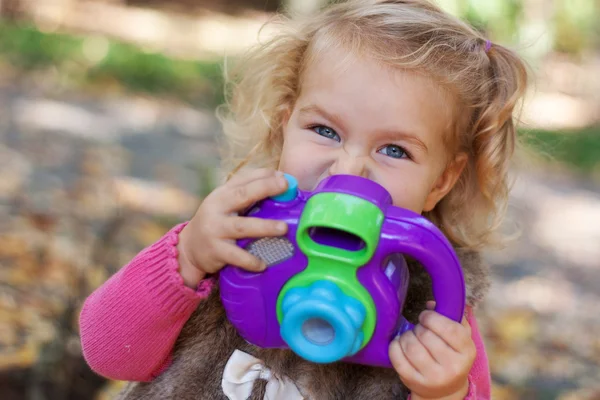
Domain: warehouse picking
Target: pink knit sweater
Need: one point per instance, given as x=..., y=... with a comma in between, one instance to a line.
x=129, y=325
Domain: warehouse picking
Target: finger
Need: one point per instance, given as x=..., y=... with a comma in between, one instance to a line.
x=239, y=197
x=416, y=353
x=249, y=175
x=231, y=254
x=439, y=350
x=248, y=227
x=465, y=322
x=456, y=335
x=402, y=365
x=430, y=305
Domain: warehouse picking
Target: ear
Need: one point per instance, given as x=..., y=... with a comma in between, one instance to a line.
x=446, y=181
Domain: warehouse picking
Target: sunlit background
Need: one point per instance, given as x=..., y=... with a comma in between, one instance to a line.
x=108, y=138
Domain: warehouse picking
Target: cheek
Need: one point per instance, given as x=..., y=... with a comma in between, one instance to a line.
x=289, y=163
x=408, y=191
x=408, y=200
x=290, y=151
x=295, y=158
x=304, y=159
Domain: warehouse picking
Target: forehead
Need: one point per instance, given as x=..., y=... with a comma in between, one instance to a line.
x=365, y=91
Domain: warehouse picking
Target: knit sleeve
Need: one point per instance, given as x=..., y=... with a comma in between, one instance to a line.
x=129, y=325
x=479, y=377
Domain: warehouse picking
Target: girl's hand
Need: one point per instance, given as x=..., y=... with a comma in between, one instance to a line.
x=207, y=243
x=434, y=360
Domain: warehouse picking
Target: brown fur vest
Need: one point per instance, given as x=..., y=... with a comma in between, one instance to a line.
x=208, y=340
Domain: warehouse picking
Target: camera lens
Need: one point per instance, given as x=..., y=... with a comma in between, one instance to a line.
x=318, y=331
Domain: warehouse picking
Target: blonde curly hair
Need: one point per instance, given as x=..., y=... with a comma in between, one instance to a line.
x=485, y=82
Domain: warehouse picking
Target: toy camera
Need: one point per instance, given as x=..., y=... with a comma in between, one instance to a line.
x=335, y=284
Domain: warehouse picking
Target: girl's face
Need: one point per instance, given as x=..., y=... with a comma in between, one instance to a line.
x=368, y=120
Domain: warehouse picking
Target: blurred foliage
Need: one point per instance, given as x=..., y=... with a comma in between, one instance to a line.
x=500, y=18
x=578, y=149
x=566, y=26
x=228, y=6
x=576, y=25
x=108, y=63
x=27, y=49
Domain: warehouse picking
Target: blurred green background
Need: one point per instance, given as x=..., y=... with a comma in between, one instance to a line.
x=108, y=138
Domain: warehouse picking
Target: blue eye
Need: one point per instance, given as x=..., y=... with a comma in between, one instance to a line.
x=394, y=151
x=327, y=132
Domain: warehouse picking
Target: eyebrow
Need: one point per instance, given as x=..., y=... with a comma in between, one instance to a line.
x=313, y=108
x=337, y=120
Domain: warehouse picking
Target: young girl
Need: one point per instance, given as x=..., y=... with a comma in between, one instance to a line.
x=395, y=91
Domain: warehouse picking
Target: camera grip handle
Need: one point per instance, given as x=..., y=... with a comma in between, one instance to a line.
x=409, y=233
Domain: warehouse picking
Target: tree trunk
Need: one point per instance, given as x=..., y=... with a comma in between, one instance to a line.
x=10, y=9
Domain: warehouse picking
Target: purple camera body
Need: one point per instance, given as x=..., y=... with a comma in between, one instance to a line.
x=336, y=282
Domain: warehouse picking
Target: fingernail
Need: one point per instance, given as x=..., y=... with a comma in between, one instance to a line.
x=282, y=182
x=281, y=227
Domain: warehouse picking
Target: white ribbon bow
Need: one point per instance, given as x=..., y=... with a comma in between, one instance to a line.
x=242, y=370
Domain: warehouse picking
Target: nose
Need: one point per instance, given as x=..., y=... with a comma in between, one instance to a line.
x=348, y=164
